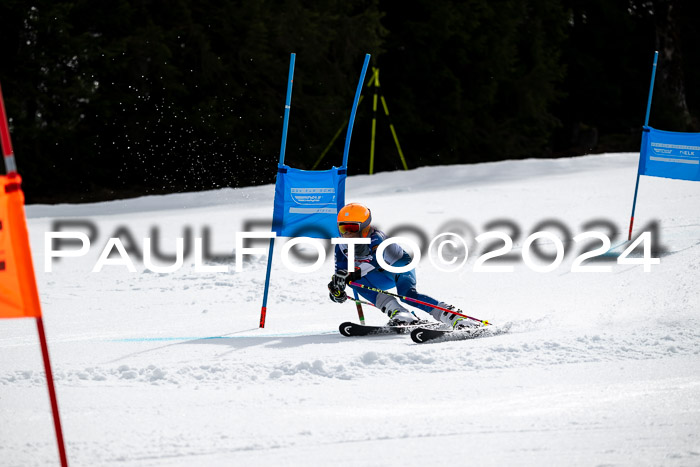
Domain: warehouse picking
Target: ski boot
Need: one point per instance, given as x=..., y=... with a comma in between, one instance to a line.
x=399, y=316
x=453, y=320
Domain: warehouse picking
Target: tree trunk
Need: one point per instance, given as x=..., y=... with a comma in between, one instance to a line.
x=668, y=42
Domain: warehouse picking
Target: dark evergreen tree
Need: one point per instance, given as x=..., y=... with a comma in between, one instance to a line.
x=131, y=97
x=141, y=97
x=475, y=80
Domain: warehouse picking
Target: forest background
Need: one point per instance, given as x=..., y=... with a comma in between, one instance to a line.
x=124, y=98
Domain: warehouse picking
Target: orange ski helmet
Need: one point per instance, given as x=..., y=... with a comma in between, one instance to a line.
x=355, y=217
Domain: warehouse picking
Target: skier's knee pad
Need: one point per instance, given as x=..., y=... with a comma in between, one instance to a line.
x=412, y=293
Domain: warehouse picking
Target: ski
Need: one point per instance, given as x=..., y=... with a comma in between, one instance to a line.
x=350, y=329
x=421, y=334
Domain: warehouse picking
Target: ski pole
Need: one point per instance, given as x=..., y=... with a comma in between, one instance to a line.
x=484, y=322
x=362, y=302
x=360, y=313
x=358, y=304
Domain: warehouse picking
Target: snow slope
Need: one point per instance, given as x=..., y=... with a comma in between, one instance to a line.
x=171, y=368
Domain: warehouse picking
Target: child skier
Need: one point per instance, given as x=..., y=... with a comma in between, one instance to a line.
x=354, y=221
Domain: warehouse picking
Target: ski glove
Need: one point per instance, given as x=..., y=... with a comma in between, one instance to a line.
x=336, y=286
x=336, y=294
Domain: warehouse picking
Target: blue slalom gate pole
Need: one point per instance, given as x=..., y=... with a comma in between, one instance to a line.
x=351, y=122
x=285, y=125
x=287, y=107
x=646, y=123
x=346, y=151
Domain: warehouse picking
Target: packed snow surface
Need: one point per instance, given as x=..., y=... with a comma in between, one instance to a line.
x=171, y=369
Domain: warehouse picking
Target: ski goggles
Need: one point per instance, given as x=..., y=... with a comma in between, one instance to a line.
x=349, y=227
x=345, y=227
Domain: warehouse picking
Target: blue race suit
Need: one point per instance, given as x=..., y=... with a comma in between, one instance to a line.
x=374, y=276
